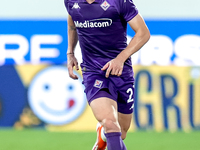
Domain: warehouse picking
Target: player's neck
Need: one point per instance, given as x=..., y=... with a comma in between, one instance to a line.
x=90, y=1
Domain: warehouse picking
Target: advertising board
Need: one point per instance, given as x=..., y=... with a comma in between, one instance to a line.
x=33, y=64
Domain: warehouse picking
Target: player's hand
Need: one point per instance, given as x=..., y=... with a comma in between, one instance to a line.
x=71, y=62
x=114, y=67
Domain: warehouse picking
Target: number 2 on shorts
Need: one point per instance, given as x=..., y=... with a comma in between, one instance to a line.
x=130, y=92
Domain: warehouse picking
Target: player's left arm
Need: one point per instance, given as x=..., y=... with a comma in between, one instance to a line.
x=142, y=35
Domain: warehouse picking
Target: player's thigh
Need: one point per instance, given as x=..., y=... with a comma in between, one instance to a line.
x=124, y=122
x=104, y=107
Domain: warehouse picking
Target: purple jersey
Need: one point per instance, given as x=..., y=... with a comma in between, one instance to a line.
x=101, y=28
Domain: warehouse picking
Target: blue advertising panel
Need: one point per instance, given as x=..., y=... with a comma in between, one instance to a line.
x=46, y=41
x=172, y=42
x=33, y=42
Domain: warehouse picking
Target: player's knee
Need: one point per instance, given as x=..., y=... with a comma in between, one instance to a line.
x=111, y=125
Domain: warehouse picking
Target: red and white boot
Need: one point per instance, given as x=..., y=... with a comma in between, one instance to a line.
x=100, y=143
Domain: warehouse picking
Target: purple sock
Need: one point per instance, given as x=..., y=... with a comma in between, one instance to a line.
x=114, y=141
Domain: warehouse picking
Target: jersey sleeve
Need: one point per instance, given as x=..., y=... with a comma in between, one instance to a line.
x=128, y=9
x=67, y=6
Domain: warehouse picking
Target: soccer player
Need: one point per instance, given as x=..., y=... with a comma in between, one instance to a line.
x=100, y=26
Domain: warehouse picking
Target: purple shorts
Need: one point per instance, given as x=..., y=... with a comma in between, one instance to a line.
x=120, y=89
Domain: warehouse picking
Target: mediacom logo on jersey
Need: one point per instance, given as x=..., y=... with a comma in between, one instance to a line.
x=96, y=23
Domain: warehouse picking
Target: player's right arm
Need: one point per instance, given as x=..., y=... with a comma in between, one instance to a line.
x=72, y=41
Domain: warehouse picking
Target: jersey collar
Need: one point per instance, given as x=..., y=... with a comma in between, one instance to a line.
x=98, y=1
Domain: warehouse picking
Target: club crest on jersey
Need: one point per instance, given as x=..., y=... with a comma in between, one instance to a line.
x=105, y=5
x=98, y=84
x=76, y=6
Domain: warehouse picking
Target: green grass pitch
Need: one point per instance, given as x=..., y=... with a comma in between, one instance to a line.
x=44, y=140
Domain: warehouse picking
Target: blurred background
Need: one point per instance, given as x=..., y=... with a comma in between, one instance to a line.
x=36, y=92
